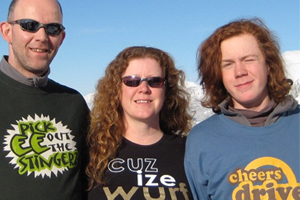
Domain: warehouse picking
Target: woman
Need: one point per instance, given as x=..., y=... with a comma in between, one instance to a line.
x=138, y=122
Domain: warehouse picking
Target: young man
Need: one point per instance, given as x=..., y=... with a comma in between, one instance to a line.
x=250, y=148
x=42, y=123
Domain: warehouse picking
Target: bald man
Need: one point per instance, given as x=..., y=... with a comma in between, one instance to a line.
x=42, y=123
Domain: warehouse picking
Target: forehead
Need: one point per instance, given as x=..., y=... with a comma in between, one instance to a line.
x=44, y=11
x=240, y=45
x=141, y=66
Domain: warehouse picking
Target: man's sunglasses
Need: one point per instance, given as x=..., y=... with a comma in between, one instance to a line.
x=134, y=81
x=33, y=26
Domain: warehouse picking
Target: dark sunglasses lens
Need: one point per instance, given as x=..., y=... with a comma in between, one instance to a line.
x=33, y=26
x=155, y=82
x=29, y=25
x=131, y=81
x=53, y=29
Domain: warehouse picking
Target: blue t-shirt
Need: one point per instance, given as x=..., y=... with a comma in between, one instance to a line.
x=227, y=160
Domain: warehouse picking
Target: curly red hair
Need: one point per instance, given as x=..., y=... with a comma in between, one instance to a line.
x=107, y=127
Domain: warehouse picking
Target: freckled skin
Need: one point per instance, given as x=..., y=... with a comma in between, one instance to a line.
x=244, y=72
x=143, y=67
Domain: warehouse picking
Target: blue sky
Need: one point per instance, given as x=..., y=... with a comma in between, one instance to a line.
x=98, y=30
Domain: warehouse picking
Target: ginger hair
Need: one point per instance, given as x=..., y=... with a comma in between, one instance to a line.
x=210, y=56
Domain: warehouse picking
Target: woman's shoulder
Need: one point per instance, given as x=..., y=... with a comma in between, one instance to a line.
x=174, y=139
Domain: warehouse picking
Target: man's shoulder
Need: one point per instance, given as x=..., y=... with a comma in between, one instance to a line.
x=64, y=92
x=57, y=87
x=210, y=121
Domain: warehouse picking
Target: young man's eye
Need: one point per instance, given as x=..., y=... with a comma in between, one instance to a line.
x=226, y=65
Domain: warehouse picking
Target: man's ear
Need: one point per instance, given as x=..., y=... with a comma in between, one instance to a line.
x=63, y=35
x=6, y=30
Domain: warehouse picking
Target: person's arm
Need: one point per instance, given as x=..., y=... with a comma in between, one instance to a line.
x=194, y=172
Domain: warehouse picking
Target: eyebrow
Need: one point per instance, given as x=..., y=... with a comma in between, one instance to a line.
x=242, y=58
x=251, y=55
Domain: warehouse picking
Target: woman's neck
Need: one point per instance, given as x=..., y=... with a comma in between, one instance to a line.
x=143, y=134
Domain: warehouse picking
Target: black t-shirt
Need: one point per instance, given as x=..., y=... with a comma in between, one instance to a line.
x=42, y=133
x=146, y=172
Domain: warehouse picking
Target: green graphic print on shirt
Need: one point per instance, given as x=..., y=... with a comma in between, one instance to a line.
x=40, y=145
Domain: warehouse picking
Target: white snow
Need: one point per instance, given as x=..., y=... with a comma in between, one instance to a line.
x=292, y=64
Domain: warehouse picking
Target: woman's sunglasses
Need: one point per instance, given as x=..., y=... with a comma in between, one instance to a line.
x=33, y=26
x=134, y=81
